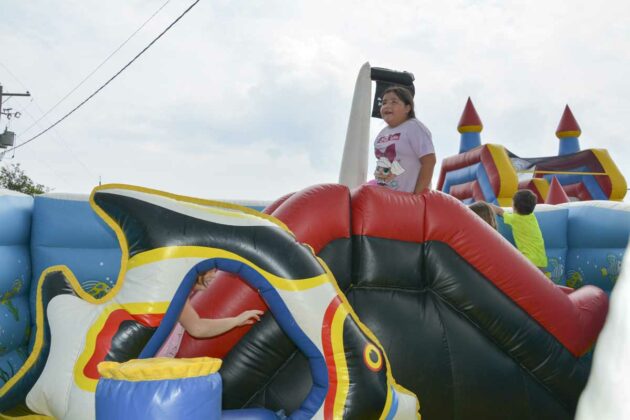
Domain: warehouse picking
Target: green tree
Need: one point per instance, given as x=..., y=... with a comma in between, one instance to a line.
x=12, y=177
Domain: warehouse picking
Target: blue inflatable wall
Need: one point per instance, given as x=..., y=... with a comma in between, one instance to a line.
x=66, y=231
x=585, y=241
x=15, y=276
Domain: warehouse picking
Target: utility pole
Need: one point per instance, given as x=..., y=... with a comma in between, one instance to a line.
x=7, y=138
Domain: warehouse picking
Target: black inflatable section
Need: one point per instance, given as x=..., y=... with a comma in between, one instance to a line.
x=265, y=368
x=444, y=341
x=463, y=346
x=135, y=216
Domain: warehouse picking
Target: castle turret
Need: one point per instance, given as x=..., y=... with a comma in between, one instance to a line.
x=470, y=128
x=556, y=194
x=568, y=132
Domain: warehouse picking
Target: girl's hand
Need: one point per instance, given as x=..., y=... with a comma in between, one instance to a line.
x=248, y=317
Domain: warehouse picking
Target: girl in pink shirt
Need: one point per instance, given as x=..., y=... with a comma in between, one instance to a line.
x=404, y=149
x=190, y=322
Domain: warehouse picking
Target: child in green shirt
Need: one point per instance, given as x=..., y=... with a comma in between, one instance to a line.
x=527, y=234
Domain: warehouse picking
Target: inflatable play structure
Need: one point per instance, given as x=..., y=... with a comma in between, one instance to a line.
x=492, y=173
x=438, y=301
x=165, y=240
x=436, y=315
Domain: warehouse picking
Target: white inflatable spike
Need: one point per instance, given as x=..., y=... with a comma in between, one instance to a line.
x=354, y=164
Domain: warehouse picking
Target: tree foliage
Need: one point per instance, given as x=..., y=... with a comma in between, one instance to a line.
x=12, y=177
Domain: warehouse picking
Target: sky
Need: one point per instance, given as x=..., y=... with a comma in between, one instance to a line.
x=251, y=100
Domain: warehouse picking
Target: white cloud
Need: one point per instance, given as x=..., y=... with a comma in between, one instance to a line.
x=252, y=100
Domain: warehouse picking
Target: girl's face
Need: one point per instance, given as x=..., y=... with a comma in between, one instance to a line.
x=393, y=110
x=204, y=280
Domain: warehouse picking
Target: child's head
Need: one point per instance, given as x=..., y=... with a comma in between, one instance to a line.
x=204, y=279
x=484, y=211
x=524, y=202
x=397, y=105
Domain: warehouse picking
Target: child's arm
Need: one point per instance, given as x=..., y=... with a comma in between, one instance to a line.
x=206, y=327
x=496, y=209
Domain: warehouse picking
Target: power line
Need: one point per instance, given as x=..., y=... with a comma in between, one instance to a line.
x=24, y=109
x=97, y=68
x=63, y=143
x=110, y=80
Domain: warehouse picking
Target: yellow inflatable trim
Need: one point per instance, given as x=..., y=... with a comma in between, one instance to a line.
x=617, y=181
x=565, y=134
x=159, y=368
x=508, y=180
x=470, y=128
x=542, y=185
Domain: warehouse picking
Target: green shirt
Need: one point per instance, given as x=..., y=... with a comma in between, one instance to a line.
x=528, y=237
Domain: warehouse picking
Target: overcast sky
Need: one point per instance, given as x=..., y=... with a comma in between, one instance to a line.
x=250, y=100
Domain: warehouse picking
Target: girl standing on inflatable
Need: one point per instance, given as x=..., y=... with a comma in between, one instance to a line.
x=404, y=148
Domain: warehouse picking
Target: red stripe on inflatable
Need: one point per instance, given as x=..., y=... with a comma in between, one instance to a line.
x=575, y=326
x=380, y=212
x=329, y=403
x=273, y=206
x=318, y=214
x=578, y=191
x=459, y=161
x=604, y=181
x=491, y=169
x=149, y=320
x=104, y=341
x=477, y=192
x=584, y=161
x=462, y=191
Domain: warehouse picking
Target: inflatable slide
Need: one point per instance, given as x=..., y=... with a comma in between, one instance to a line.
x=468, y=324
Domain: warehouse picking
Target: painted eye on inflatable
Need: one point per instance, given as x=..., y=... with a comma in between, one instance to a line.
x=372, y=357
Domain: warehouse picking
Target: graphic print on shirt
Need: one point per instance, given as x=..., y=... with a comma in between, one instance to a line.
x=387, y=166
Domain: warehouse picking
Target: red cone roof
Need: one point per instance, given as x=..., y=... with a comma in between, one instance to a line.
x=556, y=193
x=470, y=121
x=568, y=126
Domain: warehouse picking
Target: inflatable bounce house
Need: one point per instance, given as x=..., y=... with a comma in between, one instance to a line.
x=493, y=174
x=436, y=315
x=439, y=301
x=585, y=241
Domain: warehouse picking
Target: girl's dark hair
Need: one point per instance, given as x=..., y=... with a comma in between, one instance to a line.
x=484, y=211
x=524, y=202
x=404, y=95
x=199, y=279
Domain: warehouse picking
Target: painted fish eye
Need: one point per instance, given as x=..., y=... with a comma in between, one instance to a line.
x=372, y=357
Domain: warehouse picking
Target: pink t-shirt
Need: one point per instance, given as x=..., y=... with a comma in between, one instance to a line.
x=172, y=343
x=170, y=347
x=398, y=151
